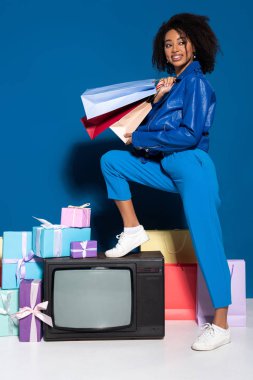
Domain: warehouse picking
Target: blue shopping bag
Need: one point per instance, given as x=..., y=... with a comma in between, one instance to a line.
x=98, y=101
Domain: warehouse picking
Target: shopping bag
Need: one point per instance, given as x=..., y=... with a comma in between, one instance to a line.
x=175, y=245
x=180, y=282
x=131, y=121
x=99, y=101
x=99, y=124
x=237, y=309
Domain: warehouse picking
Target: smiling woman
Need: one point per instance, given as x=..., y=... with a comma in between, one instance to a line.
x=191, y=36
x=178, y=50
x=173, y=142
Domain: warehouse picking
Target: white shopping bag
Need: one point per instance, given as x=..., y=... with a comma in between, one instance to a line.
x=101, y=100
x=130, y=122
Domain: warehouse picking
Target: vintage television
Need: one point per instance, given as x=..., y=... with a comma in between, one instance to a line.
x=105, y=298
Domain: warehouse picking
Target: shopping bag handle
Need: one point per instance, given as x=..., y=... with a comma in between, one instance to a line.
x=232, y=270
x=180, y=248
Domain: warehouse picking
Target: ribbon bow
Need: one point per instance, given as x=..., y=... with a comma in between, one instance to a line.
x=6, y=301
x=48, y=225
x=82, y=206
x=36, y=312
x=21, y=270
x=84, y=246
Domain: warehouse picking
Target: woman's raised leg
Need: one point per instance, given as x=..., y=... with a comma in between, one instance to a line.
x=119, y=168
x=127, y=213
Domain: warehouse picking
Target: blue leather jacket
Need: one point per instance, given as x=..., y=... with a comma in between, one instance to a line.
x=181, y=119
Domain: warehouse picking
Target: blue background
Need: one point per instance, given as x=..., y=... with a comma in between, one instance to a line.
x=51, y=51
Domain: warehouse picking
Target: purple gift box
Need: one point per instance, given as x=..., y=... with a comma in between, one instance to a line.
x=76, y=216
x=30, y=329
x=81, y=249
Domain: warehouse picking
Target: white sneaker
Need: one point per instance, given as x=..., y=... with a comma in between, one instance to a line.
x=127, y=242
x=212, y=337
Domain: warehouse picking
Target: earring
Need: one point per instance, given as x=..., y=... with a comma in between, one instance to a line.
x=194, y=55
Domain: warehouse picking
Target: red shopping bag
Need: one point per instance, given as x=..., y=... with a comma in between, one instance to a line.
x=99, y=124
x=180, y=291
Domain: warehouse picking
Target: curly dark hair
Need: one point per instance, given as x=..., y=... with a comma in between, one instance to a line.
x=196, y=29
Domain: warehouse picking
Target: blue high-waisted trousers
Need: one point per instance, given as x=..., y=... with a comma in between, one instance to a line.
x=192, y=174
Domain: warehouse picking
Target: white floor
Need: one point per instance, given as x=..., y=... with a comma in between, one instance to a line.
x=169, y=358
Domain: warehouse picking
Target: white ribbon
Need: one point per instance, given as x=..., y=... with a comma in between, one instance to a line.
x=74, y=213
x=35, y=310
x=84, y=247
x=82, y=206
x=48, y=225
x=6, y=301
x=37, y=241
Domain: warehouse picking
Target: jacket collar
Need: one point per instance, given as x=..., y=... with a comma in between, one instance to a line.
x=193, y=66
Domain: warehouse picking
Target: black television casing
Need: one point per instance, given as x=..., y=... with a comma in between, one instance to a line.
x=148, y=314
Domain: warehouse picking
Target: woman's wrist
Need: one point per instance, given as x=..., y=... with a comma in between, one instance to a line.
x=157, y=97
x=163, y=87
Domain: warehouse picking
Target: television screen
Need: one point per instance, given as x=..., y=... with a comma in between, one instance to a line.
x=92, y=298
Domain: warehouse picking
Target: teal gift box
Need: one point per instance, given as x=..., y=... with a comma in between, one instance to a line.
x=55, y=242
x=8, y=306
x=19, y=261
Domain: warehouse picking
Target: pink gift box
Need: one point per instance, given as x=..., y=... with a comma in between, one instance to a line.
x=75, y=216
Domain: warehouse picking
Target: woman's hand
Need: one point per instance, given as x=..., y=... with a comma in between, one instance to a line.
x=164, y=85
x=129, y=141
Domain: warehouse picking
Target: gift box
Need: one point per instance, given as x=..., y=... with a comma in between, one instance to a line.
x=72, y=216
x=19, y=261
x=175, y=245
x=30, y=314
x=180, y=281
x=81, y=249
x=54, y=240
x=8, y=306
x=237, y=309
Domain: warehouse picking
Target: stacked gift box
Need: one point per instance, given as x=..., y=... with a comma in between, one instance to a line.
x=21, y=301
x=21, y=264
x=186, y=294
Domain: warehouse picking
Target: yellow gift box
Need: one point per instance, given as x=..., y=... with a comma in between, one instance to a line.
x=175, y=245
